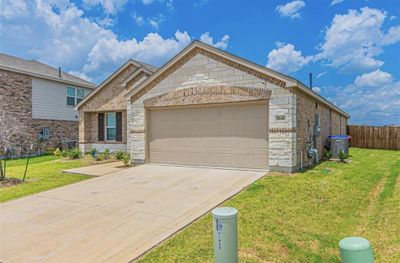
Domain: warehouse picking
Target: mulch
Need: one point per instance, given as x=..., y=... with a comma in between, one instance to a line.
x=7, y=182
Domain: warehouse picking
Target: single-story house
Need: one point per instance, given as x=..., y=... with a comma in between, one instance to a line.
x=37, y=104
x=207, y=107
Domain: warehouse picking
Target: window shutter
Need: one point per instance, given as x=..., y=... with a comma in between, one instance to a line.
x=119, y=126
x=100, y=127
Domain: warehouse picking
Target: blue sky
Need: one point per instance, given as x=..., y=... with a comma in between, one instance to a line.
x=352, y=47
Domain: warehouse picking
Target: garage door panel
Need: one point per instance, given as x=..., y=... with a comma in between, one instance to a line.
x=231, y=136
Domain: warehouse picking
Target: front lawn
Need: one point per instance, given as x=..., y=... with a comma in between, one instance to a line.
x=302, y=217
x=44, y=173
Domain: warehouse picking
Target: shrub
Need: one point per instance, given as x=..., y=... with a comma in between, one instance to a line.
x=126, y=158
x=328, y=155
x=106, y=153
x=74, y=153
x=57, y=152
x=64, y=153
x=343, y=156
x=93, y=152
x=49, y=151
x=100, y=157
x=119, y=155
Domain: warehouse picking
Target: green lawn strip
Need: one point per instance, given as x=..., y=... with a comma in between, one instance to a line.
x=298, y=218
x=383, y=228
x=44, y=173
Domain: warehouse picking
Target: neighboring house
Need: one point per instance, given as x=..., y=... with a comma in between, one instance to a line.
x=207, y=107
x=37, y=102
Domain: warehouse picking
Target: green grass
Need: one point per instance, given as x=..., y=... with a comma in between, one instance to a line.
x=44, y=173
x=302, y=217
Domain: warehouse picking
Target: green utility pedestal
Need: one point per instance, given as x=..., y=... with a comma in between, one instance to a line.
x=225, y=235
x=356, y=250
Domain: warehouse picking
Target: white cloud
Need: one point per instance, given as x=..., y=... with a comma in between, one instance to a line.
x=80, y=75
x=392, y=36
x=65, y=39
x=321, y=74
x=375, y=78
x=378, y=105
x=286, y=58
x=76, y=43
x=291, y=9
x=155, y=21
x=354, y=40
x=222, y=43
x=109, y=6
x=11, y=9
x=139, y=20
x=111, y=52
x=335, y=2
x=316, y=89
x=168, y=3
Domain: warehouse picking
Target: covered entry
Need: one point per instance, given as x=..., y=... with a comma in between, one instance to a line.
x=223, y=135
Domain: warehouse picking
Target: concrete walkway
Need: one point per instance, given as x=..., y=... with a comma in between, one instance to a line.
x=98, y=169
x=113, y=218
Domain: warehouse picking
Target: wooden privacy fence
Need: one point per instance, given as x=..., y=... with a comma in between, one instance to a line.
x=375, y=137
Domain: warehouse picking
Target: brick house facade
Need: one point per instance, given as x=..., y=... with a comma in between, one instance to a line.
x=18, y=127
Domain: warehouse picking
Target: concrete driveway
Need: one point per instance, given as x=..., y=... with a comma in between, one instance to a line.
x=114, y=218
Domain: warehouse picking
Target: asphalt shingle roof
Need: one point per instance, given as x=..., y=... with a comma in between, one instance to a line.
x=34, y=67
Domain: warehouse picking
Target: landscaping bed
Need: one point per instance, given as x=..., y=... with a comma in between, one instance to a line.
x=301, y=218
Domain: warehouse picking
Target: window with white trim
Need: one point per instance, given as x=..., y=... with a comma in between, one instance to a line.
x=111, y=126
x=74, y=95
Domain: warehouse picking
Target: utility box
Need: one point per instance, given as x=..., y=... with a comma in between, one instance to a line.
x=225, y=235
x=356, y=250
x=339, y=143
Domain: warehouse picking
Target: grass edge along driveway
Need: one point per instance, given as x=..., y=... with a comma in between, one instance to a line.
x=44, y=173
x=302, y=217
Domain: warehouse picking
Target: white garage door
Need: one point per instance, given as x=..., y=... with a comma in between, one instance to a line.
x=226, y=136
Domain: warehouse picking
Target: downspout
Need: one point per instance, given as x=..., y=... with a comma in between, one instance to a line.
x=301, y=160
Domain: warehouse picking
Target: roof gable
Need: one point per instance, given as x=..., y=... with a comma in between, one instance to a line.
x=231, y=60
x=139, y=70
x=200, y=48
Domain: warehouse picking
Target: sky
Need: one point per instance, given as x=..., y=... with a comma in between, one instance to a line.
x=352, y=47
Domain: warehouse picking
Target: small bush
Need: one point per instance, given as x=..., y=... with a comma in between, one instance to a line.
x=49, y=151
x=106, y=153
x=74, y=153
x=119, y=155
x=57, y=152
x=93, y=152
x=100, y=157
x=126, y=159
x=64, y=153
x=328, y=155
x=343, y=156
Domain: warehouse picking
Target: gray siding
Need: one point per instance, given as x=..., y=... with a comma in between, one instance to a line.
x=49, y=101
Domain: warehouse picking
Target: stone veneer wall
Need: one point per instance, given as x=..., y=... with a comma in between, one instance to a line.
x=307, y=107
x=201, y=70
x=16, y=123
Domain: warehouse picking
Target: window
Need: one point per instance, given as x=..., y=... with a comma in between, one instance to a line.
x=74, y=95
x=111, y=126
